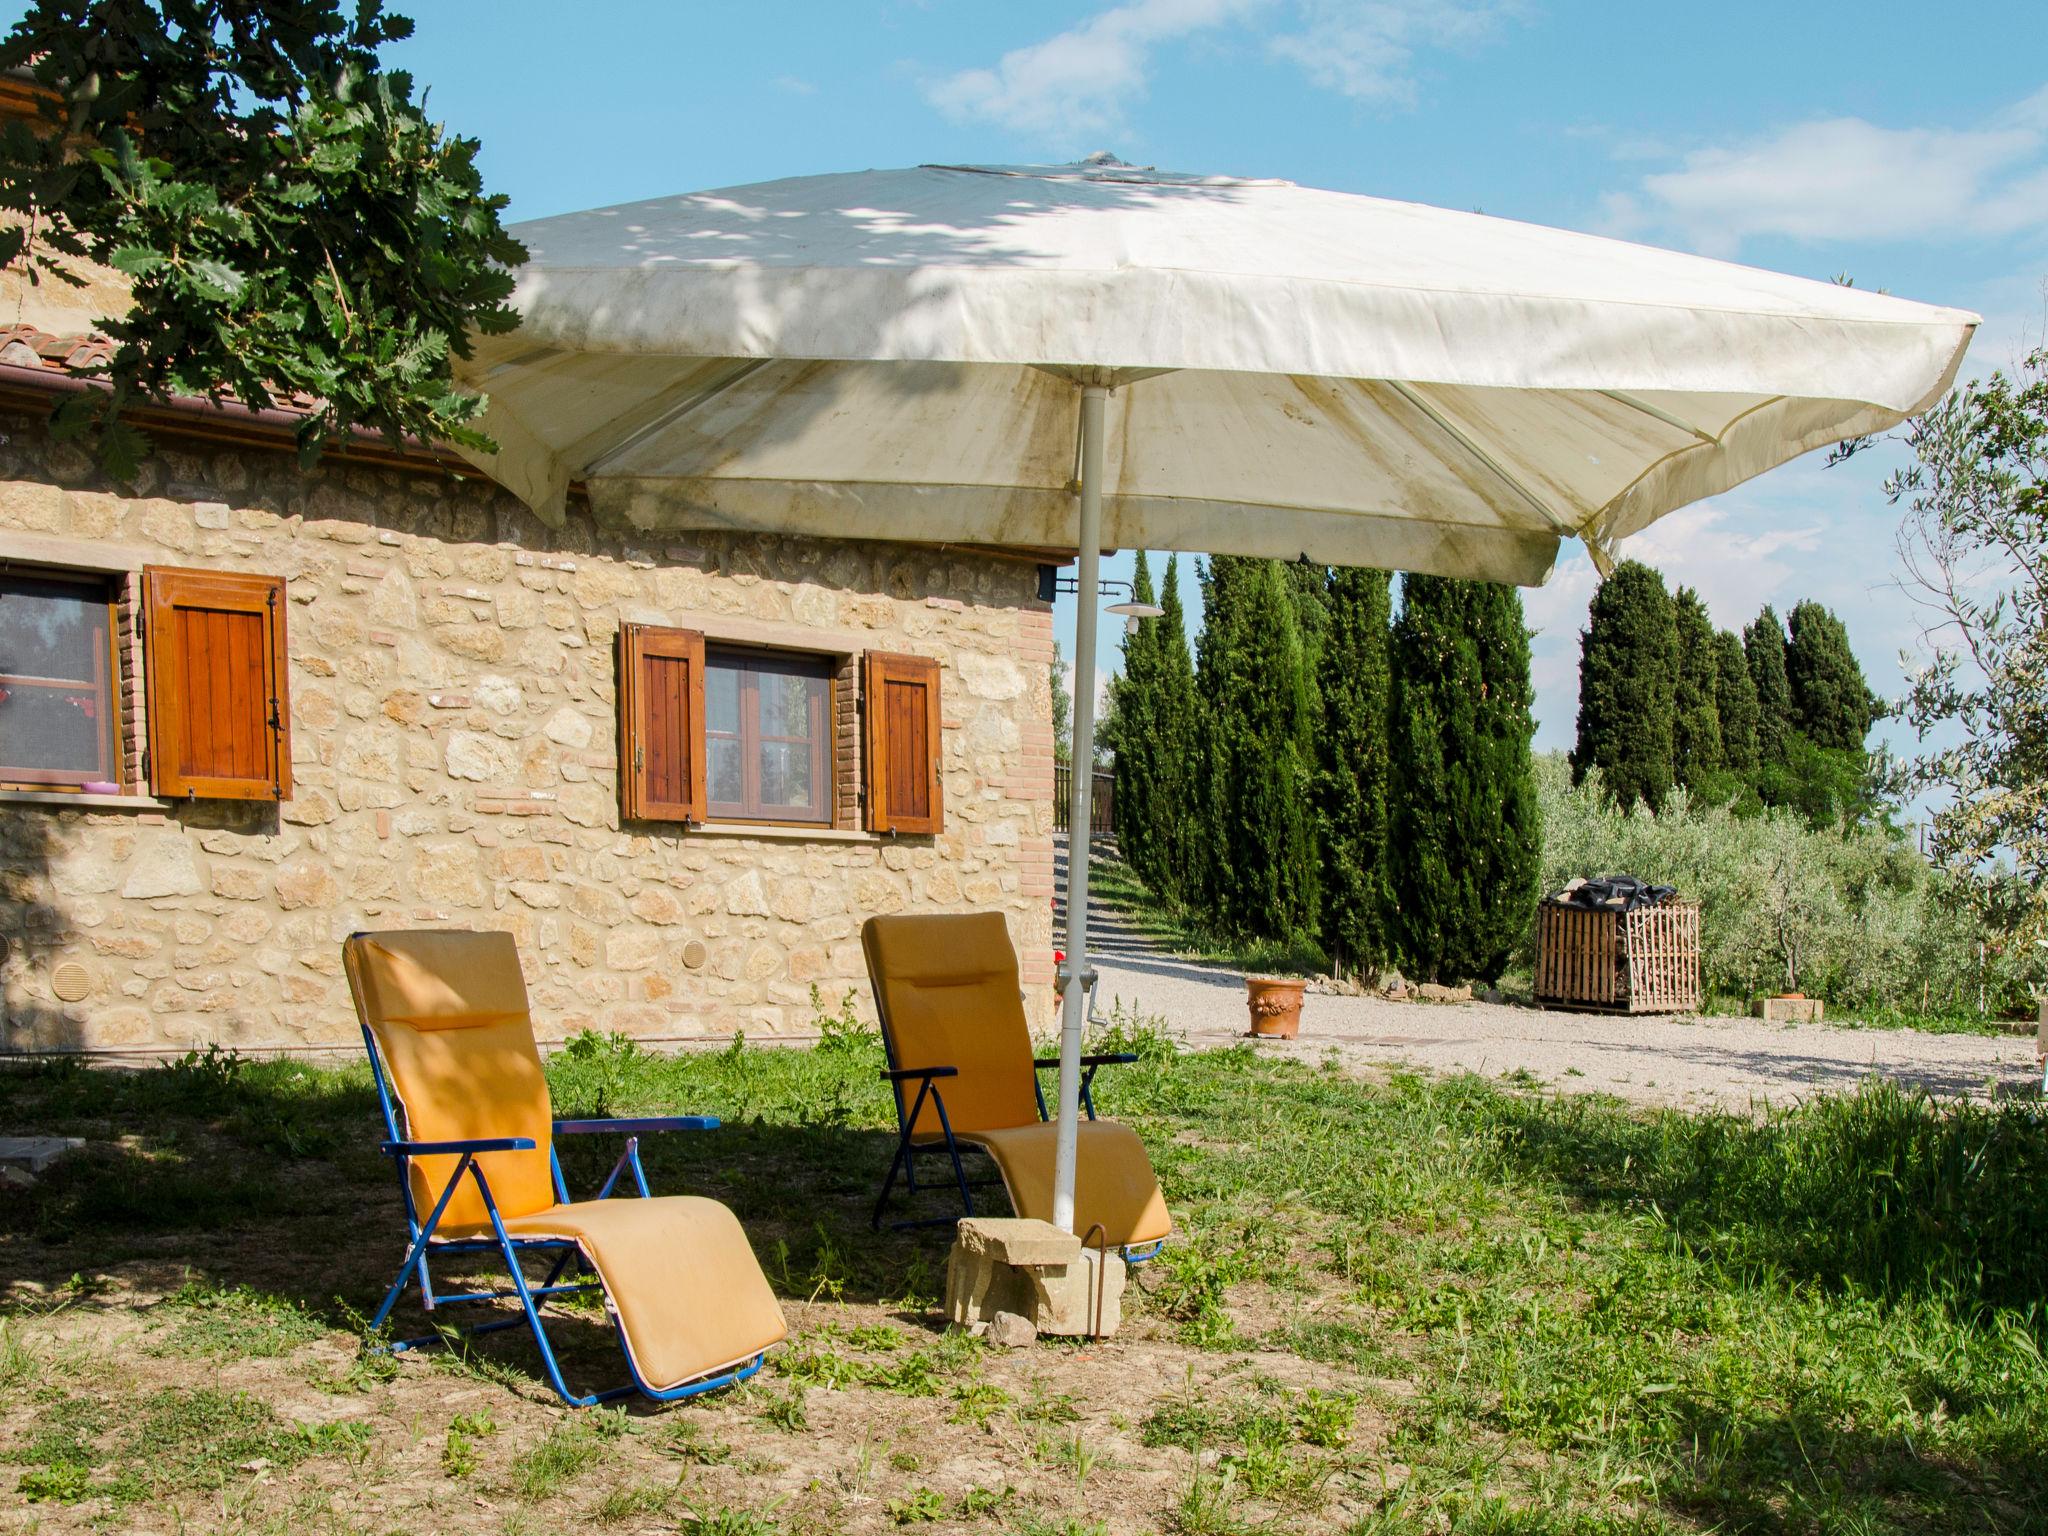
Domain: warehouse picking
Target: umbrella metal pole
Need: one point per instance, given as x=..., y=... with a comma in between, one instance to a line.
x=1074, y=1001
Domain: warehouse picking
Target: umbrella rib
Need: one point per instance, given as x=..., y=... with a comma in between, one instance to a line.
x=1657, y=413
x=1512, y=482
x=676, y=412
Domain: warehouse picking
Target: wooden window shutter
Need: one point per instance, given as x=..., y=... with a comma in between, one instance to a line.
x=901, y=694
x=661, y=724
x=218, y=716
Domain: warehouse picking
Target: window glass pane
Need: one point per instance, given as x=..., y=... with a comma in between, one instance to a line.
x=786, y=702
x=51, y=629
x=722, y=769
x=56, y=703
x=51, y=730
x=722, y=694
x=786, y=774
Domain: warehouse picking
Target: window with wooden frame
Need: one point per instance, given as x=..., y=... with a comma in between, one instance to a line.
x=757, y=735
x=219, y=721
x=60, y=681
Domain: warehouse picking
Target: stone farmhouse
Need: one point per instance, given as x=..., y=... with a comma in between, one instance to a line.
x=247, y=709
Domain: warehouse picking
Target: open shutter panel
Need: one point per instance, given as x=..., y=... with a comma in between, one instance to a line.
x=661, y=724
x=902, y=702
x=218, y=716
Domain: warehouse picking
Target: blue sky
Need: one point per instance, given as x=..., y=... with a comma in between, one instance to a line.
x=1904, y=144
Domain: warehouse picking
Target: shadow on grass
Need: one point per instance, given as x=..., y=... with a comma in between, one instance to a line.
x=267, y=1176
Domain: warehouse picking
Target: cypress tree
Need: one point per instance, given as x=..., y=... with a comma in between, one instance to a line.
x=1831, y=703
x=1465, y=823
x=1628, y=680
x=1133, y=737
x=1696, y=748
x=1763, y=647
x=1260, y=741
x=1735, y=705
x=1176, y=716
x=1352, y=771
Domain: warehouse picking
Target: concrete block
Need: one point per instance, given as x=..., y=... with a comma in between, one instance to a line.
x=24, y=1159
x=1788, y=1010
x=1017, y=1240
x=1035, y=1271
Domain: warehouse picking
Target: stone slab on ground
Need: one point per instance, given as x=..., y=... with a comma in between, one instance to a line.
x=24, y=1159
x=1789, y=1010
x=1052, y=1284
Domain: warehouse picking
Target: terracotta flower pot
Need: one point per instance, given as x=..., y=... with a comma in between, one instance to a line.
x=1275, y=1004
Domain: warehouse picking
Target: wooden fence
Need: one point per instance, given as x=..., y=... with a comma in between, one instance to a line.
x=1101, y=804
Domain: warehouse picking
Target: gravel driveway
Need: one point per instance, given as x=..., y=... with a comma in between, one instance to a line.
x=1695, y=1063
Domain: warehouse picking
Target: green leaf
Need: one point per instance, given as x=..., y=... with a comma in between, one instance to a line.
x=135, y=260
x=214, y=280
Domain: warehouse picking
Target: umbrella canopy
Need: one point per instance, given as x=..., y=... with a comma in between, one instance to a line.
x=1363, y=381
x=1096, y=355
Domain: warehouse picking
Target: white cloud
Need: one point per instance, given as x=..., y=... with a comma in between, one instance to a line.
x=1076, y=83
x=1847, y=179
x=795, y=85
x=1367, y=50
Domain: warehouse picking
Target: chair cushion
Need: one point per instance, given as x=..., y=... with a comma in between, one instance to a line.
x=1113, y=1179
x=679, y=1276
x=448, y=1012
x=946, y=988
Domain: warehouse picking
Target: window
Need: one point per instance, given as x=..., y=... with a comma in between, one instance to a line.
x=767, y=736
x=757, y=735
x=60, y=694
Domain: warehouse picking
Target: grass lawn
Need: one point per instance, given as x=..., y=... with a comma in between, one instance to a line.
x=1398, y=1305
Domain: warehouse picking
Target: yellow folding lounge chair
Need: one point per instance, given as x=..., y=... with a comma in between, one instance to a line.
x=953, y=1025
x=445, y=1021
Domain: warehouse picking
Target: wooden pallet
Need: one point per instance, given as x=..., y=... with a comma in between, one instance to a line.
x=1646, y=961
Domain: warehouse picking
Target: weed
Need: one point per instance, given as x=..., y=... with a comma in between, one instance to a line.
x=631, y=1500
x=921, y=1506
x=727, y=1522
x=905, y=1461
x=1046, y=1406
x=1324, y=1419
x=1072, y=1525
x=63, y=1482
x=689, y=1444
x=977, y=1402
x=458, y=1453
x=1073, y=1453
x=976, y=1502
x=565, y=1453
x=218, y=1322
x=17, y=1357
x=785, y=1411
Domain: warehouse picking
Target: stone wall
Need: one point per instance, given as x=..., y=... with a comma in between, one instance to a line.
x=451, y=683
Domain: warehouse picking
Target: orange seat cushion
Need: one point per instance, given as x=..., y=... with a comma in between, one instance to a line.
x=678, y=1275
x=1113, y=1179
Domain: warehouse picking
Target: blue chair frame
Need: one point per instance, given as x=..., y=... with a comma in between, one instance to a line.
x=510, y=1248
x=905, y=1160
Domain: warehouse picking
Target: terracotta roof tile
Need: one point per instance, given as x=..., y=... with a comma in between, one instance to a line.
x=25, y=346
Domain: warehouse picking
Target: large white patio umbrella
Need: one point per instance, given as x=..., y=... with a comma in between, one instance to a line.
x=1096, y=355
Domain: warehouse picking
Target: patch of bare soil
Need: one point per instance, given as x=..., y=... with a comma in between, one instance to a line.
x=869, y=1420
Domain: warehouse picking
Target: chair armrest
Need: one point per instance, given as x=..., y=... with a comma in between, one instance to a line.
x=637, y=1125
x=1119, y=1059
x=437, y=1148
x=912, y=1074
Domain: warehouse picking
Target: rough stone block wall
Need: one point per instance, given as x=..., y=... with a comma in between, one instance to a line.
x=452, y=702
